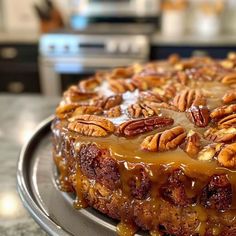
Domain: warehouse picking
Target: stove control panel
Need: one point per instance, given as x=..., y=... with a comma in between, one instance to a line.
x=67, y=45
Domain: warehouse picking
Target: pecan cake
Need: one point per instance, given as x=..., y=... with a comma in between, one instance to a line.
x=153, y=146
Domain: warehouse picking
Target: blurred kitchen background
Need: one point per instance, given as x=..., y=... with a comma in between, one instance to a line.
x=47, y=45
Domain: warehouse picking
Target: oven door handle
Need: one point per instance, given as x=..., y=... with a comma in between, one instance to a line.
x=66, y=68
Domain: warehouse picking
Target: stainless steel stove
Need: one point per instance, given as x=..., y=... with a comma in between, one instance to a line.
x=68, y=57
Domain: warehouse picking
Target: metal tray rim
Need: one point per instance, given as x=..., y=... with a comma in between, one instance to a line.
x=38, y=215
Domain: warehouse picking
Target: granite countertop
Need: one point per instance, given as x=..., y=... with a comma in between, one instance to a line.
x=18, y=118
x=156, y=38
x=19, y=37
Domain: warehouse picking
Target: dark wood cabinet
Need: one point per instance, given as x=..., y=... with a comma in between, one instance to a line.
x=163, y=51
x=19, y=71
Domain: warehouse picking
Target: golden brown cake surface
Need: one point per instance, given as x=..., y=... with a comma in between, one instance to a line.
x=153, y=146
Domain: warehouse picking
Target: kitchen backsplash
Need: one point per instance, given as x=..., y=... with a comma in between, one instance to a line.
x=18, y=15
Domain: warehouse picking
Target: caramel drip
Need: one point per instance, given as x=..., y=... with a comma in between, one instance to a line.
x=80, y=201
x=126, y=229
x=232, y=179
x=62, y=167
x=201, y=229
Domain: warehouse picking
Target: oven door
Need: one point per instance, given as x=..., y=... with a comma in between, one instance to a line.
x=57, y=74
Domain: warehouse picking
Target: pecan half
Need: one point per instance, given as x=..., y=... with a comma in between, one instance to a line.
x=227, y=156
x=231, y=56
x=74, y=95
x=198, y=115
x=140, y=84
x=87, y=109
x=221, y=135
x=228, y=121
x=113, y=112
x=65, y=110
x=142, y=109
x=182, y=77
x=151, y=78
x=164, y=141
x=170, y=91
x=187, y=98
x=192, y=144
x=112, y=101
x=122, y=73
x=151, y=97
x=183, y=65
x=89, y=85
x=229, y=97
x=174, y=58
x=227, y=64
x=229, y=79
x=139, y=126
x=121, y=86
x=220, y=112
x=91, y=125
x=163, y=105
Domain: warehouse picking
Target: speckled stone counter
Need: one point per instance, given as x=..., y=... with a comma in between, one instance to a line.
x=19, y=116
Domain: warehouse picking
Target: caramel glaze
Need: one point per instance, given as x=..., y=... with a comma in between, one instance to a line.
x=158, y=166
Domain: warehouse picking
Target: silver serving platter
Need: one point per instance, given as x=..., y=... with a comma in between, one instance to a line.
x=50, y=208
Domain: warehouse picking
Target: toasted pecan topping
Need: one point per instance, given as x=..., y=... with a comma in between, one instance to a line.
x=122, y=72
x=231, y=56
x=182, y=77
x=142, y=110
x=65, y=110
x=227, y=156
x=174, y=58
x=228, y=121
x=113, y=112
x=87, y=109
x=221, y=135
x=170, y=91
x=91, y=125
x=229, y=79
x=112, y=101
x=183, y=65
x=198, y=115
x=163, y=105
x=227, y=64
x=73, y=94
x=229, y=97
x=89, y=85
x=187, y=98
x=151, y=97
x=223, y=111
x=139, y=126
x=192, y=144
x=150, y=78
x=142, y=92
x=164, y=141
x=121, y=86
